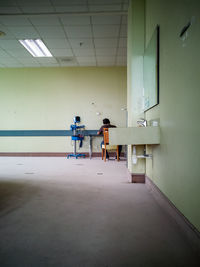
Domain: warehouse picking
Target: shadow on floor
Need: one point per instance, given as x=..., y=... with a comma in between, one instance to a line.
x=14, y=195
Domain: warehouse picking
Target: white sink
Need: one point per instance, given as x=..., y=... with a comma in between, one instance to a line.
x=134, y=136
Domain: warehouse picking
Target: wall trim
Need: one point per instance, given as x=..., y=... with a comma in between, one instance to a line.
x=43, y=154
x=191, y=233
x=136, y=177
x=52, y=154
x=12, y=133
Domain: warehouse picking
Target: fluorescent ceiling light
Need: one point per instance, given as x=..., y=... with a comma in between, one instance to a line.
x=36, y=47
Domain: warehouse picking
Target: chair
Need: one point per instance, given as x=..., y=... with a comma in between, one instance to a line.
x=106, y=146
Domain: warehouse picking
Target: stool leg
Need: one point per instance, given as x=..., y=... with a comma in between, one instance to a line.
x=117, y=153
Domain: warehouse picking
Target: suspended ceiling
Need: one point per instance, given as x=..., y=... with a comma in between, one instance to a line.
x=77, y=32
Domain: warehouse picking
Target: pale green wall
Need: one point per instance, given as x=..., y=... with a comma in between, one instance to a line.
x=135, y=74
x=175, y=167
x=49, y=98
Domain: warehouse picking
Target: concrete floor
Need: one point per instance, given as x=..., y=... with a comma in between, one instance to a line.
x=83, y=213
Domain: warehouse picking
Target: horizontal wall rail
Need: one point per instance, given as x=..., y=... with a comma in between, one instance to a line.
x=8, y=133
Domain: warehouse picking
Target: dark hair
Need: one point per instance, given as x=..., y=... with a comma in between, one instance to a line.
x=106, y=121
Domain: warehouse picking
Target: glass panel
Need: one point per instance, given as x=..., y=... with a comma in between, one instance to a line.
x=151, y=72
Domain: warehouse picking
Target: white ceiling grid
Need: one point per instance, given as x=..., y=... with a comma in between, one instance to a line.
x=77, y=32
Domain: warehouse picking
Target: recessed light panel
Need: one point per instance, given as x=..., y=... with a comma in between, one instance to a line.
x=36, y=48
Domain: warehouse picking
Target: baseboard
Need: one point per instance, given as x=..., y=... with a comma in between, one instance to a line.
x=191, y=233
x=136, y=178
x=50, y=154
x=42, y=154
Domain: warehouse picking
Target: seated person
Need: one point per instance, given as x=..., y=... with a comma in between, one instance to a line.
x=106, y=124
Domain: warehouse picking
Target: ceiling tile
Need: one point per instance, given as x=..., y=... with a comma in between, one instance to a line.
x=68, y=64
x=3, y=54
x=10, y=10
x=89, y=64
x=50, y=65
x=106, y=59
x=22, y=52
x=125, y=7
x=61, y=52
x=69, y=2
x=33, y=2
x=23, y=32
x=14, y=65
x=30, y=65
x=123, y=31
x=122, y=51
x=78, y=31
x=105, y=31
x=124, y=20
x=8, y=35
x=44, y=60
x=103, y=64
x=106, y=51
x=14, y=21
x=124, y=64
x=25, y=60
x=8, y=3
x=109, y=20
x=56, y=43
x=37, y=9
x=65, y=35
x=9, y=44
x=9, y=60
x=104, y=2
x=95, y=8
x=121, y=60
x=86, y=60
x=81, y=43
x=75, y=20
x=99, y=43
x=71, y=8
x=83, y=52
x=51, y=32
x=45, y=21
x=123, y=42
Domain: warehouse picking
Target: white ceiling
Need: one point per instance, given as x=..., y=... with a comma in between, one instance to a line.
x=77, y=32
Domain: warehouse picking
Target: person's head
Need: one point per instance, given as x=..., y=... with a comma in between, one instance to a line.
x=106, y=121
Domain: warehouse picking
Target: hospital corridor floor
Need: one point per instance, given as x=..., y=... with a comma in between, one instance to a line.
x=64, y=212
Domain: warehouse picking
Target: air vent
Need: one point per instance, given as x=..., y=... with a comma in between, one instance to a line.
x=65, y=59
